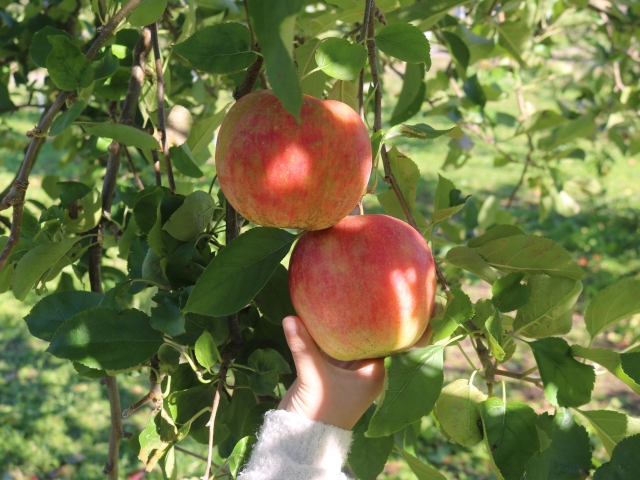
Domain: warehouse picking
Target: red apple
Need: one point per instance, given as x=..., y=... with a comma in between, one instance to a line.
x=364, y=288
x=279, y=173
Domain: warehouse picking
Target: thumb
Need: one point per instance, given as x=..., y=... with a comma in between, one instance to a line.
x=306, y=354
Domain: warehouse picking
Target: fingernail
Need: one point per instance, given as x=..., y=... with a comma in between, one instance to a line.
x=290, y=326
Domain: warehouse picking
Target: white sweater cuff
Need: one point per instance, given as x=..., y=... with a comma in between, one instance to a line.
x=292, y=447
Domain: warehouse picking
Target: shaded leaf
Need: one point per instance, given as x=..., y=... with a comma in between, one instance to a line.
x=613, y=304
x=550, y=309
x=611, y=426
x=412, y=94
x=368, y=456
x=404, y=42
x=67, y=66
x=220, y=48
x=567, y=382
x=124, y=134
x=239, y=271
x=52, y=311
x=65, y=119
x=509, y=294
x=413, y=383
x=341, y=59
x=105, y=338
x=147, y=12
x=41, y=47
x=192, y=217
x=510, y=435
x=624, y=464
x=530, y=254
x=469, y=260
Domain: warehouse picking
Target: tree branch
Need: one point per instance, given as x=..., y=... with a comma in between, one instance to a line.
x=15, y=197
x=111, y=467
x=162, y=130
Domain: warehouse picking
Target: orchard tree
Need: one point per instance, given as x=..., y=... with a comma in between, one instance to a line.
x=152, y=274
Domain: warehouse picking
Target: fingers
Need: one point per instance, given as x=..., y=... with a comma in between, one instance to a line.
x=306, y=354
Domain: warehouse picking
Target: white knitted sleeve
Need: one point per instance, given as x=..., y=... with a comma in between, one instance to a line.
x=292, y=447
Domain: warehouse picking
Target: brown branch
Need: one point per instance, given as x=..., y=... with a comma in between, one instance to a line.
x=162, y=130
x=527, y=162
x=136, y=177
x=15, y=197
x=155, y=390
x=111, y=467
x=249, y=80
x=364, y=28
x=156, y=167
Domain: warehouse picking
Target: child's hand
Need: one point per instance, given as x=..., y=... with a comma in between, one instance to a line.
x=327, y=390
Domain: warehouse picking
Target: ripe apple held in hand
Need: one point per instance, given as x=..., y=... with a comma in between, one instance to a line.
x=278, y=173
x=365, y=287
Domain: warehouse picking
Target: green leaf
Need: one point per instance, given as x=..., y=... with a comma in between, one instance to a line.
x=65, y=119
x=494, y=330
x=550, y=309
x=345, y=92
x=147, y=12
x=624, y=463
x=457, y=412
x=509, y=294
x=474, y=91
x=422, y=131
x=41, y=47
x=274, y=300
x=268, y=364
x=611, y=426
x=206, y=351
x=273, y=22
x=221, y=48
x=239, y=271
x=469, y=260
x=510, y=435
x=35, y=264
x=241, y=454
x=314, y=81
x=70, y=192
x=458, y=310
x=515, y=37
x=341, y=59
x=166, y=316
x=611, y=305
x=124, y=134
x=412, y=94
x=192, y=217
x=404, y=42
x=568, y=456
x=105, y=338
x=420, y=469
x=202, y=131
x=541, y=120
x=185, y=404
x=530, y=254
x=368, y=456
x=443, y=207
x=612, y=361
x=459, y=50
x=581, y=127
x=494, y=233
x=184, y=266
x=407, y=175
x=183, y=160
x=49, y=313
x=631, y=365
x=106, y=66
x=567, y=382
x=67, y=66
x=429, y=12
x=412, y=385
x=145, y=208
x=255, y=418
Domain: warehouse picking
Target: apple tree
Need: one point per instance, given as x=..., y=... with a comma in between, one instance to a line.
x=140, y=264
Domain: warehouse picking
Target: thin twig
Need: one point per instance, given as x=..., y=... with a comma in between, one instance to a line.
x=156, y=167
x=162, y=130
x=211, y=424
x=15, y=197
x=536, y=381
x=364, y=28
x=136, y=177
x=527, y=161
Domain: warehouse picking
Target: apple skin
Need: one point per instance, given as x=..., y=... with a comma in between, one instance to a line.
x=278, y=173
x=364, y=288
